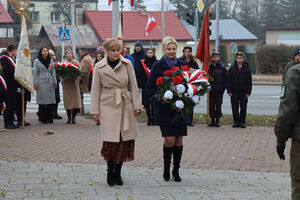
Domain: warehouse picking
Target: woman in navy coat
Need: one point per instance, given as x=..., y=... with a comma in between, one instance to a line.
x=172, y=132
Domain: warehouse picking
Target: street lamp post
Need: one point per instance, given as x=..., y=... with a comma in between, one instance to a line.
x=115, y=18
x=73, y=28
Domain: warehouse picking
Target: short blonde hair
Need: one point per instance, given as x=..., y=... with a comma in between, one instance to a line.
x=51, y=52
x=110, y=44
x=66, y=51
x=168, y=40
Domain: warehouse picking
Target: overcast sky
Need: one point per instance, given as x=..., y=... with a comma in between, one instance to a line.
x=151, y=5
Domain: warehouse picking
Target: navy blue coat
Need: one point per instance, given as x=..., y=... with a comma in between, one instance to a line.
x=163, y=115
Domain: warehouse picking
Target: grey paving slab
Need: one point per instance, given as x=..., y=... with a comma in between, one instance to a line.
x=88, y=182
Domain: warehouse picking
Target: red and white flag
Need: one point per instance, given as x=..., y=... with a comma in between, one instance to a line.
x=120, y=38
x=150, y=25
x=109, y=2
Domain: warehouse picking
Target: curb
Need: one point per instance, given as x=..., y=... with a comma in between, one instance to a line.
x=267, y=83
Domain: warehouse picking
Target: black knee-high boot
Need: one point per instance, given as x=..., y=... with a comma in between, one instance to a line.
x=117, y=174
x=148, y=111
x=69, y=116
x=110, y=172
x=167, y=161
x=74, y=113
x=177, y=153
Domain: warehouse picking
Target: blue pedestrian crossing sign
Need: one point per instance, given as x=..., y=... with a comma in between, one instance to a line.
x=234, y=48
x=64, y=35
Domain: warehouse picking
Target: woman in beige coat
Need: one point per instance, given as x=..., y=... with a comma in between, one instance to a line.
x=71, y=91
x=115, y=103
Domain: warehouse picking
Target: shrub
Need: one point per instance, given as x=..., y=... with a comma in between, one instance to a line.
x=223, y=54
x=273, y=58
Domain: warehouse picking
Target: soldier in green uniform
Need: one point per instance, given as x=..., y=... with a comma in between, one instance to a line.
x=288, y=125
x=296, y=59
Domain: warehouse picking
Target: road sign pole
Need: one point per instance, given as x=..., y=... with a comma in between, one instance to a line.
x=217, y=24
x=62, y=51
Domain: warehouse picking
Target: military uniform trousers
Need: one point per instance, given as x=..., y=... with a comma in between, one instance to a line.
x=295, y=169
x=215, y=104
x=239, y=106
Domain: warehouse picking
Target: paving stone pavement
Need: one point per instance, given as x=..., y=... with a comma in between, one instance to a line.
x=41, y=181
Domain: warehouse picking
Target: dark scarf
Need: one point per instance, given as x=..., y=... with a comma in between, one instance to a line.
x=171, y=63
x=112, y=64
x=46, y=62
x=149, y=61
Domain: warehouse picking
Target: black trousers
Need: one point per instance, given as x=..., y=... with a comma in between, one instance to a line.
x=239, y=106
x=10, y=102
x=215, y=104
x=46, y=113
x=19, y=106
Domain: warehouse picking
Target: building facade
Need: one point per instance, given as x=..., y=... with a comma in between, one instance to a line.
x=47, y=12
x=283, y=35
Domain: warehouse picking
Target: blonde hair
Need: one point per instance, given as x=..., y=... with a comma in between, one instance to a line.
x=168, y=40
x=66, y=51
x=51, y=52
x=110, y=44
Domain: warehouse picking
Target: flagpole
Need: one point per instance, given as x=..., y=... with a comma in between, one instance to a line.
x=208, y=93
x=22, y=90
x=162, y=19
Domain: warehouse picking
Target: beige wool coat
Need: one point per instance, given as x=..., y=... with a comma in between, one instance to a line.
x=71, y=91
x=114, y=96
x=85, y=64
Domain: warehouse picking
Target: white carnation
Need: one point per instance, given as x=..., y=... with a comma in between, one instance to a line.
x=195, y=98
x=168, y=94
x=179, y=104
x=180, y=88
x=190, y=91
x=199, y=87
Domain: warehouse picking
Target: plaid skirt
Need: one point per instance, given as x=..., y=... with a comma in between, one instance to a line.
x=118, y=151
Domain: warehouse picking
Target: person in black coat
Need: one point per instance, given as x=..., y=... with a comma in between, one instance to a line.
x=192, y=64
x=8, y=65
x=138, y=55
x=172, y=132
x=142, y=74
x=218, y=72
x=239, y=88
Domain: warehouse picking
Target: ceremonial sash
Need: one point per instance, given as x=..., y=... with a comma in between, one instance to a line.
x=145, y=68
x=12, y=62
x=3, y=83
x=92, y=69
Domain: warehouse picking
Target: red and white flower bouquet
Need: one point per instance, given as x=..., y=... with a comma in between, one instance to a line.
x=67, y=70
x=182, y=89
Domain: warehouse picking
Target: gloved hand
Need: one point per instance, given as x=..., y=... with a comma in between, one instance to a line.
x=280, y=150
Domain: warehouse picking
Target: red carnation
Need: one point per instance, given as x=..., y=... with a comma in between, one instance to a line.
x=63, y=65
x=160, y=81
x=174, y=69
x=185, y=68
x=69, y=65
x=56, y=65
x=168, y=72
x=177, y=80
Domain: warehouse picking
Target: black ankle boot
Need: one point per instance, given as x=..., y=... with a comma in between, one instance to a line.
x=74, y=113
x=110, y=172
x=217, y=122
x=177, y=153
x=212, y=122
x=69, y=116
x=117, y=174
x=167, y=161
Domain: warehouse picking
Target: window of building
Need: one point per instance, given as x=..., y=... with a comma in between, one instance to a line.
x=35, y=16
x=55, y=17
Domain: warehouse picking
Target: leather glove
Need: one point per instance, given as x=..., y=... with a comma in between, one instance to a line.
x=280, y=150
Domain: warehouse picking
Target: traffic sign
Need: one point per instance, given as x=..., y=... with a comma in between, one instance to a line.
x=200, y=5
x=64, y=34
x=234, y=48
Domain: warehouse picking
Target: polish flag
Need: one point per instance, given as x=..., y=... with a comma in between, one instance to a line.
x=150, y=25
x=131, y=3
x=109, y=2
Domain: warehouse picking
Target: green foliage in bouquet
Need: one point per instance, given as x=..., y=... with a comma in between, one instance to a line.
x=68, y=71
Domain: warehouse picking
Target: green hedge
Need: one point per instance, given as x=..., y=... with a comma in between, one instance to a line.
x=250, y=58
x=223, y=54
x=273, y=58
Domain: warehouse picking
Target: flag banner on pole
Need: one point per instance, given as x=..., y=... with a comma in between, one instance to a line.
x=120, y=37
x=150, y=25
x=109, y=2
x=132, y=3
x=23, y=71
x=202, y=52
